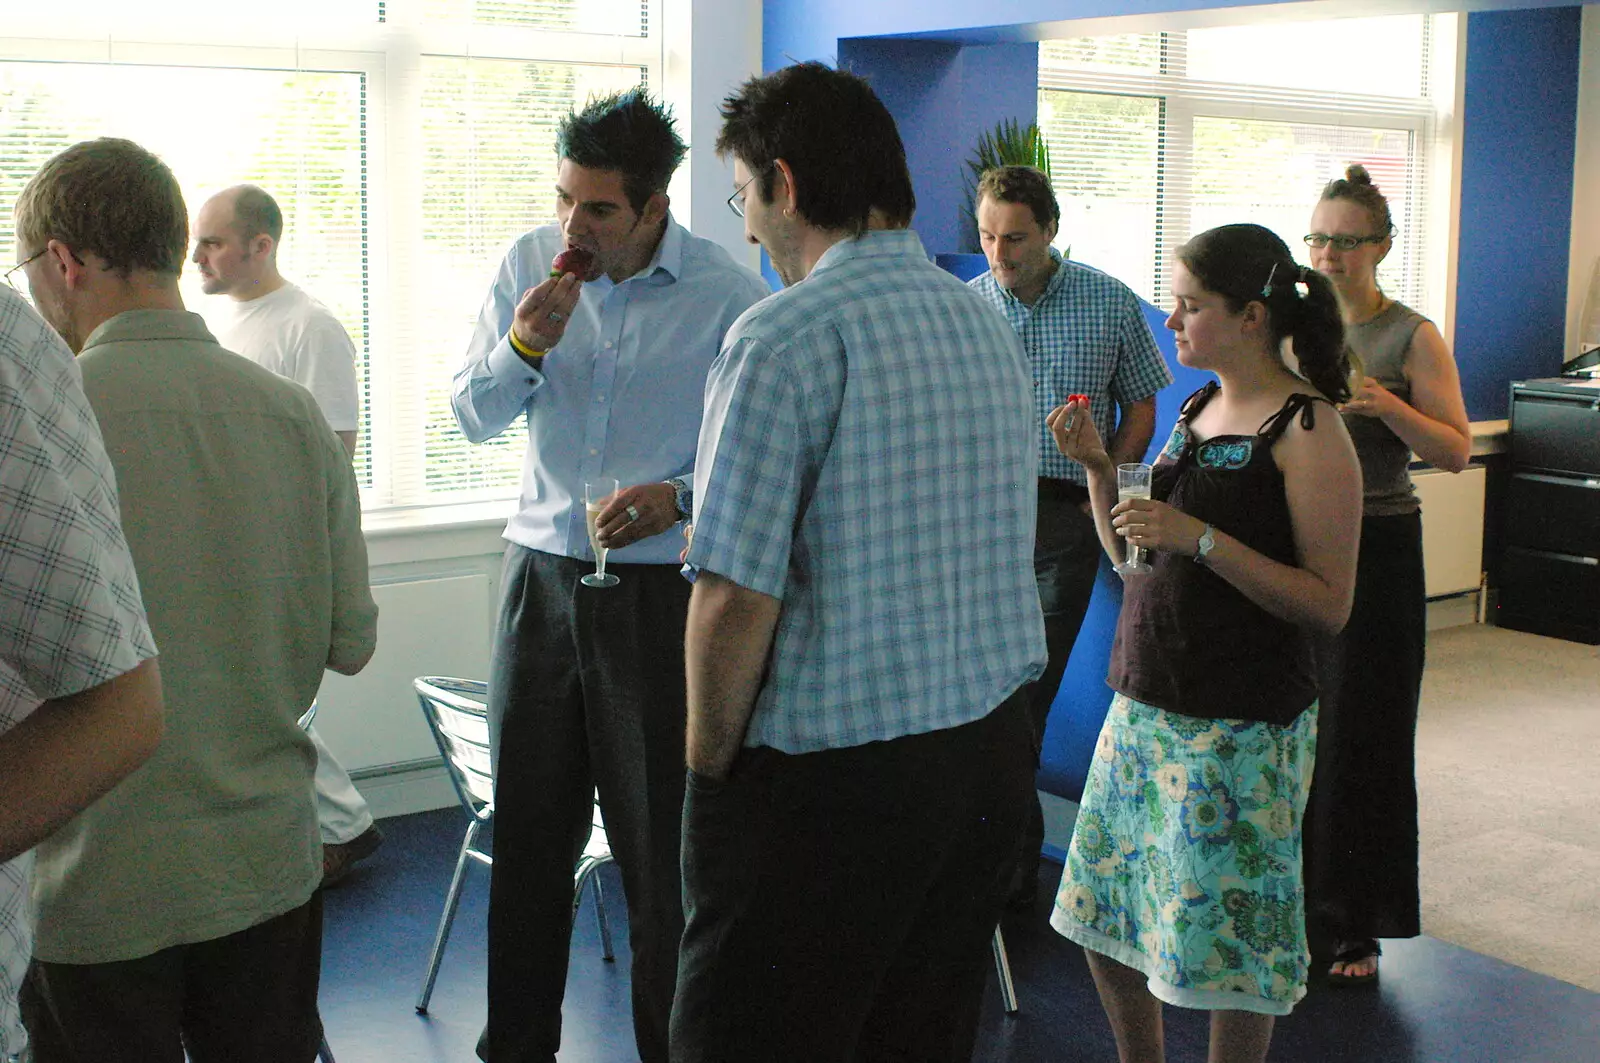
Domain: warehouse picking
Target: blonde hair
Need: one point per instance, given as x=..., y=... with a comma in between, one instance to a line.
x=109, y=197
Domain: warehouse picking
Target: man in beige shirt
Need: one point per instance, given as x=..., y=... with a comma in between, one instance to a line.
x=181, y=913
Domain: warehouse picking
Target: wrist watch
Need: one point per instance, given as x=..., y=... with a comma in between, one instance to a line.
x=1204, y=545
x=682, y=496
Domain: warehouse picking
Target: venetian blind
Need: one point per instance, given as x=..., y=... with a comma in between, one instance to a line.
x=1155, y=137
x=407, y=141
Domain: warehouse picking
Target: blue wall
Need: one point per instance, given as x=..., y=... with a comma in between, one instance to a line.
x=943, y=97
x=1518, y=129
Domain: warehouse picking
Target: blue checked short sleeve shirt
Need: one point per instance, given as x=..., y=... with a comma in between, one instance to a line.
x=867, y=457
x=71, y=616
x=1086, y=334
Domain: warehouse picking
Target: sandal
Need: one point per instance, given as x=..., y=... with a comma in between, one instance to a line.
x=1352, y=952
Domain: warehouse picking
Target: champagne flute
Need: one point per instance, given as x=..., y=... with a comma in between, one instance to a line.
x=595, y=497
x=1133, y=481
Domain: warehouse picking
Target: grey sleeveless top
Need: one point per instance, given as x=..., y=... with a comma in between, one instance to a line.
x=1382, y=343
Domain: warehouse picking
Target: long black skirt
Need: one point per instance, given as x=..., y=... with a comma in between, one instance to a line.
x=1361, y=823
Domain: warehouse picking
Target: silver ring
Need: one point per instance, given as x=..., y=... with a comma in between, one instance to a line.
x=633, y=514
x=556, y=315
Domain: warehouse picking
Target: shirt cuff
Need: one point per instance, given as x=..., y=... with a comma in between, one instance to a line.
x=509, y=367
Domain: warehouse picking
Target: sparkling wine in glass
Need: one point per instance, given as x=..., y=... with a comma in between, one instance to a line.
x=595, y=497
x=1133, y=481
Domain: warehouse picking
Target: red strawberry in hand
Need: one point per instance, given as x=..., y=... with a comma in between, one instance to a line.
x=577, y=260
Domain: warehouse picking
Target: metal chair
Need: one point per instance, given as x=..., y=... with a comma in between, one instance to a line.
x=1002, y=971
x=457, y=716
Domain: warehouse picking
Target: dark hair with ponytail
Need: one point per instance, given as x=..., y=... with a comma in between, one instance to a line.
x=1356, y=186
x=1246, y=264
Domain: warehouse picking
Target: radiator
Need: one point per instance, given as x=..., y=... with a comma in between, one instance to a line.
x=1452, y=528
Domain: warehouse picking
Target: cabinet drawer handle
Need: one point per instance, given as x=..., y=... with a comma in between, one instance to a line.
x=1551, y=555
x=1560, y=481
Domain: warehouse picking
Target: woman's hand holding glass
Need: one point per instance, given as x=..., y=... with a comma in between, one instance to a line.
x=1152, y=525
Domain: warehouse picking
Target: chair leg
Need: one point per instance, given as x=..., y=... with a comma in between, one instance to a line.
x=448, y=917
x=1002, y=970
x=600, y=917
x=583, y=876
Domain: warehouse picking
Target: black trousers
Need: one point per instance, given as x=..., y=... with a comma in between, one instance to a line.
x=1360, y=836
x=840, y=903
x=249, y=997
x=586, y=689
x=1066, y=558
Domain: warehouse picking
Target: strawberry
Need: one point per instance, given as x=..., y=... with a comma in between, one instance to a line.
x=573, y=260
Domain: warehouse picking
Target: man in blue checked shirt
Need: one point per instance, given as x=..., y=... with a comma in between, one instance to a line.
x=864, y=617
x=608, y=365
x=1085, y=333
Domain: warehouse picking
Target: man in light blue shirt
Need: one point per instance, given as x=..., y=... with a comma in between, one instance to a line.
x=608, y=365
x=864, y=615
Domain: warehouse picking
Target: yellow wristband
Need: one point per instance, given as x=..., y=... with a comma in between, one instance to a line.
x=522, y=348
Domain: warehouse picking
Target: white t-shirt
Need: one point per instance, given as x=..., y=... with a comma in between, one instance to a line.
x=290, y=333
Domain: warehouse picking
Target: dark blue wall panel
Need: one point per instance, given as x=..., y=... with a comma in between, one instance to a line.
x=1518, y=129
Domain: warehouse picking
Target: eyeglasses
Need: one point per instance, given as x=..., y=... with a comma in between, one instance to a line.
x=736, y=201
x=19, y=265
x=1343, y=242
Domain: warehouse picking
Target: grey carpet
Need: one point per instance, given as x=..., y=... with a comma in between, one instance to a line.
x=1508, y=775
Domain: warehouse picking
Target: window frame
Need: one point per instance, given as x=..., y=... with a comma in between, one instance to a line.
x=390, y=56
x=1429, y=119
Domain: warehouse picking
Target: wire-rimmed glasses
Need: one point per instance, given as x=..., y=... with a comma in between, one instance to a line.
x=14, y=269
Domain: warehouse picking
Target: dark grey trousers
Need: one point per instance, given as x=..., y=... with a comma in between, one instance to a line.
x=841, y=903
x=586, y=689
x=1066, y=557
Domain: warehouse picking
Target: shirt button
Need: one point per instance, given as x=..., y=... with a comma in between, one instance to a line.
x=599, y=398
x=592, y=451
x=609, y=345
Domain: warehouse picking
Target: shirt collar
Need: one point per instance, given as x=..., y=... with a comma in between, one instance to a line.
x=669, y=252
x=874, y=243
x=149, y=325
x=1059, y=280
x=668, y=259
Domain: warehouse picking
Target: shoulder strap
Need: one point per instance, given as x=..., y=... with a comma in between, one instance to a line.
x=1197, y=401
x=1299, y=402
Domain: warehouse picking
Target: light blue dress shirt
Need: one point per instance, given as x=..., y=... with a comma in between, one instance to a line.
x=621, y=394
x=1085, y=334
x=868, y=458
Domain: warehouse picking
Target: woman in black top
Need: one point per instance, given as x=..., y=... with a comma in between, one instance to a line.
x=1183, y=878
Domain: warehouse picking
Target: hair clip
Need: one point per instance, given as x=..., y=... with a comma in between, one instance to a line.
x=1266, y=289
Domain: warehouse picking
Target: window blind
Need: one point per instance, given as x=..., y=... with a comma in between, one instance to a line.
x=1155, y=137
x=407, y=141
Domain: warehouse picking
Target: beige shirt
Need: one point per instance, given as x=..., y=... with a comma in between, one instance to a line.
x=242, y=515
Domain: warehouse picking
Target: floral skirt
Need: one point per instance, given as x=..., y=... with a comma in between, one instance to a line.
x=1185, y=861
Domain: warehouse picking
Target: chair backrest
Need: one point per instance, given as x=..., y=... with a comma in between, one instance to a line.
x=458, y=718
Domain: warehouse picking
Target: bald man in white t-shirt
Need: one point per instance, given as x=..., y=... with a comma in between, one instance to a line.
x=280, y=327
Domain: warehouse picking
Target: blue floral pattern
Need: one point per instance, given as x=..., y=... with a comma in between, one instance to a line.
x=1185, y=860
x=1225, y=452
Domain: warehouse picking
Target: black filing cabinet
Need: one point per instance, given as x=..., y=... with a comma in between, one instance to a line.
x=1550, y=568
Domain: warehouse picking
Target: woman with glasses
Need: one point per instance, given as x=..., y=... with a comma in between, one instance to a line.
x=1361, y=826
